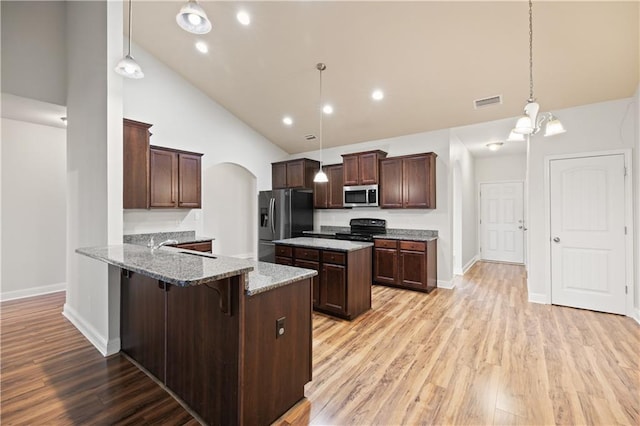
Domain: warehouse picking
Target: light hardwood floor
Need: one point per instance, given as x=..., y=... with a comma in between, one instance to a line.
x=479, y=354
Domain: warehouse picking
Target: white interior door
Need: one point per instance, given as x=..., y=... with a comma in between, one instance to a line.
x=501, y=222
x=587, y=200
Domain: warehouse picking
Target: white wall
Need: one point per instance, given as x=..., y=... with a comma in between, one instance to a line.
x=33, y=50
x=595, y=127
x=465, y=205
x=94, y=168
x=437, y=219
x=500, y=168
x=183, y=117
x=34, y=192
x=636, y=174
x=232, y=196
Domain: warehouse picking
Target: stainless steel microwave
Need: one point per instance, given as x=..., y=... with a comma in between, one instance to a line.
x=360, y=196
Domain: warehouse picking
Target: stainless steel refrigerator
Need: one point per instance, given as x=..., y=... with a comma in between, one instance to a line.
x=282, y=213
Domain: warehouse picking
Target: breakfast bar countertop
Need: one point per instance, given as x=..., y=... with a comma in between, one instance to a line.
x=188, y=268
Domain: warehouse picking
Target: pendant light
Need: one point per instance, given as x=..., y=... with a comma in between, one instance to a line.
x=530, y=122
x=193, y=19
x=321, y=176
x=127, y=66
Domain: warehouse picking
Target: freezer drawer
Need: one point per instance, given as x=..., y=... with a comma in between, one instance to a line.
x=267, y=252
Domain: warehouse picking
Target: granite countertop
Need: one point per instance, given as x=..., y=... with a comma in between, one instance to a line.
x=392, y=234
x=409, y=234
x=178, y=267
x=321, y=234
x=182, y=237
x=267, y=276
x=324, y=243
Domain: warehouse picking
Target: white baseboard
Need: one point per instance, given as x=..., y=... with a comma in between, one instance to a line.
x=446, y=284
x=637, y=315
x=33, y=291
x=538, y=298
x=470, y=263
x=105, y=347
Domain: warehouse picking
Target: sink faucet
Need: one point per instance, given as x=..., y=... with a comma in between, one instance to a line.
x=164, y=243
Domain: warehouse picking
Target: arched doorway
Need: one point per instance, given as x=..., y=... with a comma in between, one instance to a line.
x=229, y=208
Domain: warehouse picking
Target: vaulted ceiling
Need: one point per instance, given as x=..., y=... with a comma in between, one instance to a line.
x=431, y=59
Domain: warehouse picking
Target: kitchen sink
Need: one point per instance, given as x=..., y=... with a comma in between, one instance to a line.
x=207, y=255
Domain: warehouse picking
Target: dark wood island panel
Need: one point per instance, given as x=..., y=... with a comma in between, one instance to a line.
x=143, y=311
x=217, y=348
x=203, y=349
x=275, y=367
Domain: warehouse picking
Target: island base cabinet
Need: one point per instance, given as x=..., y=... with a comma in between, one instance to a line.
x=203, y=349
x=276, y=368
x=142, y=322
x=307, y=264
x=334, y=288
x=342, y=287
x=217, y=349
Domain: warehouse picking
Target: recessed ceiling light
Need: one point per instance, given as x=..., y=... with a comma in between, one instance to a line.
x=377, y=94
x=327, y=109
x=243, y=18
x=202, y=47
x=494, y=146
x=288, y=121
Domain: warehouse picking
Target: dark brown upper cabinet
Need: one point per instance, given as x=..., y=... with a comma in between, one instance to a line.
x=155, y=177
x=294, y=173
x=329, y=195
x=175, y=178
x=408, y=182
x=135, y=163
x=361, y=168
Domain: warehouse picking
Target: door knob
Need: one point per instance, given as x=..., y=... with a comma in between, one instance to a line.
x=520, y=227
x=556, y=239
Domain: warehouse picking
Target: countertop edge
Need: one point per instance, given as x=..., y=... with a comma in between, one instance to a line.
x=361, y=245
x=164, y=278
x=403, y=237
x=282, y=283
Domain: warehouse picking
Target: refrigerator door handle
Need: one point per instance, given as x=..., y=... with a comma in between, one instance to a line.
x=272, y=214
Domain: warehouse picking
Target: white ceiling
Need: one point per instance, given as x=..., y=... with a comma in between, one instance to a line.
x=432, y=59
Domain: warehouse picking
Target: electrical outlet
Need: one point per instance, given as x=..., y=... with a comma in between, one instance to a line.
x=280, y=328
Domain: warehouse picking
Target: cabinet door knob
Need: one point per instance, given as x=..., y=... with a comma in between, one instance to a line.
x=556, y=239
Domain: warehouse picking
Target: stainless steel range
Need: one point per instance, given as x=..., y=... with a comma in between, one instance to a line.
x=363, y=229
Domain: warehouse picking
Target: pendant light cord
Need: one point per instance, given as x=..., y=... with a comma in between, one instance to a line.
x=321, y=67
x=531, y=99
x=130, y=28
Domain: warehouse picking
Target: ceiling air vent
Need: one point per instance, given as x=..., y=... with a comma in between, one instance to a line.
x=480, y=103
x=310, y=137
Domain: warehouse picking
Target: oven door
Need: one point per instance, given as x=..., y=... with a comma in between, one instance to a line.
x=360, y=196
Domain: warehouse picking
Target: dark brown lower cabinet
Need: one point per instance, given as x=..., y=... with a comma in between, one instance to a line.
x=406, y=264
x=307, y=264
x=217, y=348
x=342, y=287
x=334, y=288
x=386, y=262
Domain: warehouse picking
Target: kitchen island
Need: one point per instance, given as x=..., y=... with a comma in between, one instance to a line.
x=231, y=338
x=342, y=287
